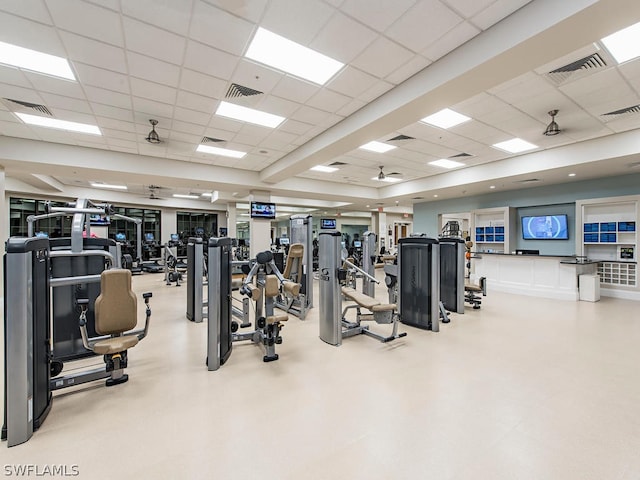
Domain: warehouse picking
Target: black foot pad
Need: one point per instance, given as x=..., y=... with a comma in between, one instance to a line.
x=270, y=359
x=111, y=382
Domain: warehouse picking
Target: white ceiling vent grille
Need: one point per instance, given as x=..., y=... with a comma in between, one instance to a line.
x=211, y=140
x=580, y=67
x=235, y=90
x=528, y=180
x=401, y=137
x=26, y=106
x=623, y=111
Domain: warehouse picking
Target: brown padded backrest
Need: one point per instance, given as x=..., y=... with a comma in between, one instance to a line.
x=296, y=252
x=116, y=307
x=272, y=286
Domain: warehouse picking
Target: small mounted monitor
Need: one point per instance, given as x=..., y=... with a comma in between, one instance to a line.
x=120, y=237
x=99, y=220
x=328, y=223
x=42, y=235
x=175, y=237
x=284, y=241
x=149, y=237
x=263, y=210
x=357, y=244
x=199, y=231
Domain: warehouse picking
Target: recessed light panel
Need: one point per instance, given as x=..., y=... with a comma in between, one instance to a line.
x=378, y=147
x=444, y=163
x=290, y=57
x=58, y=124
x=35, y=61
x=106, y=185
x=182, y=195
x=445, y=119
x=624, y=44
x=515, y=145
x=322, y=168
x=245, y=114
x=225, y=152
x=386, y=179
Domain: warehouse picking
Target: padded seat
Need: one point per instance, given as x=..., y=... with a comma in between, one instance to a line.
x=387, y=307
x=280, y=317
x=472, y=288
x=115, y=345
x=360, y=298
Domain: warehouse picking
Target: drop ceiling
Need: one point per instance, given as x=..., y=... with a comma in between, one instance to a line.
x=176, y=60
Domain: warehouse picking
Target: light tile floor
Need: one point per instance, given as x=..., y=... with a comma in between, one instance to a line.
x=525, y=388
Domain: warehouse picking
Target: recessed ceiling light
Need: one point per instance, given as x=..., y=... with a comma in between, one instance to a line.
x=182, y=195
x=378, y=147
x=436, y=195
x=106, y=185
x=59, y=124
x=572, y=174
x=515, y=145
x=444, y=163
x=446, y=119
x=368, y=206
x=245, y=114
x=35, y=61
x=492, y=187
x=624, y=44
x=322, y=168
x=225, y=152
x=386, y=179
x=290, y=57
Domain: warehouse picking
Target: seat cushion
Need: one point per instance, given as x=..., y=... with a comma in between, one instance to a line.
x=472, y=288
x=281, y=317
x=115, y=345
x=385, y=307
x=360, y=298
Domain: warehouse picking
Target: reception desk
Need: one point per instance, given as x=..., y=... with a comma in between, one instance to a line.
x=549, y=276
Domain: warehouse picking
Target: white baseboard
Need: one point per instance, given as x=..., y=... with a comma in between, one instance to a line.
x=624, y=294
x=534, y=291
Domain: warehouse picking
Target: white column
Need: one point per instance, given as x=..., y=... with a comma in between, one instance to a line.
x=168, y=223
x=259, y=228
x=4, y=227
x=231, y=220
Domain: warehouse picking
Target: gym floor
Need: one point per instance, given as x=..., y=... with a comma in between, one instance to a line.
x=525, y=388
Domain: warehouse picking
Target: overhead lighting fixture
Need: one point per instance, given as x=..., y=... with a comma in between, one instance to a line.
x=435, y=195
x=322, y=168
x=624, y=44
x=572, y=174
x=444, y=163
x=515, y=145
x=552, y=128
x=106, y=185
x=35, y=61
x=378, y=147
x=492, y=187
x=153, y=136
x=291, y=57
x=225, y=152
x=386, y=179
x=245, y=114
x=445, y=118
x=58, y=124
x=182, y=195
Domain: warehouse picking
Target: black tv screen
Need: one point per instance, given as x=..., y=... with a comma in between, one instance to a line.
x=263, y=210
x=328, y=223
x=545, y=227
x=99, y=220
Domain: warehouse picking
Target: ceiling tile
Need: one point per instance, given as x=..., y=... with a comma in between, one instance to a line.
x=88, y=20
x=451, y=40
x=382, y=57
x=343, y=38
x=14, y=76
x=328, y=101
x=351, y=107
x=153, y=91
x=152, y=150
x=196, y=102
x=185, y=148
x=294, y=89
x=154, y=70
x=112, y=112
x=496, y=12
x=143, y=108
x=99, y=77
x=413, y=66
x=211, y=61
x=118, y=142
x=19, y=93
x=251, y=11
x=375, y=91
x=116, y=148
x=172, y=15
x=186, y=137
x=378, y=15
x=154, y=42
x=107, y=97
x=94, y=53
x=468, y=8
x=223, y=123
x=256, y=76
x=59, y=101
x=115, y=124
x=278, y=140
x=423, y=24
x=113, y=134
x=220, y=29
x=202, y=84
x=112, y=4
x=31, y=9
x=351, y=82
x=296, y=20
x=56, y=85
x=73, y=116
x=293, y=126
x=278, y=106
x=28, y=34
x=309, y=115
x=191, y=116
x=185, y=127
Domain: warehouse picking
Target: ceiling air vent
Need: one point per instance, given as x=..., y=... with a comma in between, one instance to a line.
x=622, y=111
x=417, y=198
x=401, y=137
x=211, y=140
x=460, y=155
x=529, y=180
x=336, y=164
x=32, y=106
x=591, y=62
x=236, y=91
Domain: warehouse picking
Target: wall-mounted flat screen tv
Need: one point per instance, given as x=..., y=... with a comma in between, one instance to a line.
x=328, y=223
x=263, y=210
x=545, y=227
x=99, y=220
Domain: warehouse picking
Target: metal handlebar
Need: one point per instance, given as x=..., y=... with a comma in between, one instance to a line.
x=349, y=264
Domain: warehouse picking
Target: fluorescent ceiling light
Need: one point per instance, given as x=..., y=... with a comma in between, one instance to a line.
x=182, y=195
x=250, y=115
x=322, y=168
x=225, y=152
x=59, y=124
x=290, y=57
x=35, y=61
x=444, y=163
x=445, y=119
x=515, y=145
x=106, y=185
x=206, y=194
x=624, y=44
x=377, y=147
x=386, y=179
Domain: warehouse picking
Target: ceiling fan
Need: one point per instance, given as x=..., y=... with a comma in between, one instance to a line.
x=382, y=176
x=152, y=192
